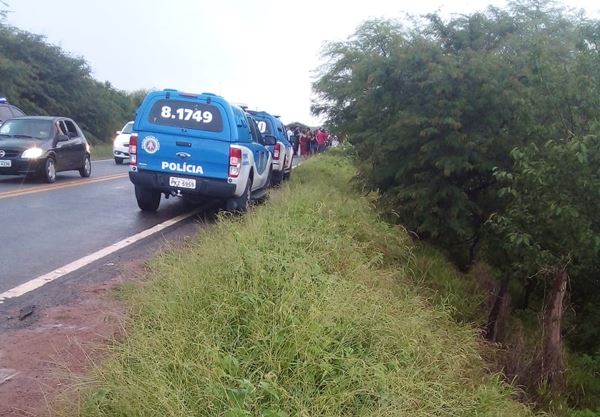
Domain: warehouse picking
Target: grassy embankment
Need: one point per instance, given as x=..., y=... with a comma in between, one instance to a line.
x=102, y=151
x=328, y=321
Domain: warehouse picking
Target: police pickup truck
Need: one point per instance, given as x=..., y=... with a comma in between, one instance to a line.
x=197, y=146
x=283, y=152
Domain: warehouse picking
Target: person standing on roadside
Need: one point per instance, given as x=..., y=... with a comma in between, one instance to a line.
x=313, y=142
x=304, y=143
x=296, y=140
x=335, y=142
x=321, y=138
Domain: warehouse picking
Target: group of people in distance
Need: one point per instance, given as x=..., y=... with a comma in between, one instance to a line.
x=307, y=142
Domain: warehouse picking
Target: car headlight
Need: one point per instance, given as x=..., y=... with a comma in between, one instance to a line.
x=32, y=153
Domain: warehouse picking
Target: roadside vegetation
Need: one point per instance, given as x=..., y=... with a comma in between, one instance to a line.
x=42, y=79
x=102, y=151
x=480, y=134
x=329, y=321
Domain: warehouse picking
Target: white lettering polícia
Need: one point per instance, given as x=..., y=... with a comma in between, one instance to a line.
x=179, y=167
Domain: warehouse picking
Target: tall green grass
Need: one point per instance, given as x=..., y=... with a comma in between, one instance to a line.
x=102, y=151
x=304, y=307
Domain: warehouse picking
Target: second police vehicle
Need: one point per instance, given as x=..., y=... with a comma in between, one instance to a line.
x=197, y=146
x=283, y=152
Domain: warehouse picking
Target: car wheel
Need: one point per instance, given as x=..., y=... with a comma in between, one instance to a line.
x=118, y=161
x=49, y=173
x=147, y=199
x=241, y=204
x=86, y=170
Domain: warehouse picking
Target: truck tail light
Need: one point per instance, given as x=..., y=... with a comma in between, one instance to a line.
x=133, y=139
x=235, y=162
x=276, y=151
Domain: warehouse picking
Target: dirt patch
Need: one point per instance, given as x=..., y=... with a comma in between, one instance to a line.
x=63, y=343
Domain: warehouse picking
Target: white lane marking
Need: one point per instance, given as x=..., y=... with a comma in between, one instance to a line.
x=7, y=374
x=73, y=266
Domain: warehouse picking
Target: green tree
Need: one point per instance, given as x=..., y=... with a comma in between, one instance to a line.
x=43, y=79
x=433, y=109
x=550, y=228
x=428, y=124
x=438, y=110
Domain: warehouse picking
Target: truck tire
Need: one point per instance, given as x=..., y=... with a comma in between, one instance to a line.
x=276, y=178
x=241, y=204
x=287, y=175
x=147, y=199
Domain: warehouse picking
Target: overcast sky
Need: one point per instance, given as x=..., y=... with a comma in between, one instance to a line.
x=259, y=52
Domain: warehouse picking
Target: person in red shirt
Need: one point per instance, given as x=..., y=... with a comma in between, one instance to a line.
x=321, y=139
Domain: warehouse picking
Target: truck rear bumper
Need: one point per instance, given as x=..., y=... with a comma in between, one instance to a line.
x=206, y=187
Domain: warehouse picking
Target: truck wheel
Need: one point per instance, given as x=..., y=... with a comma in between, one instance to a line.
x=147, y=199
x=276, y=178
x=241, y=204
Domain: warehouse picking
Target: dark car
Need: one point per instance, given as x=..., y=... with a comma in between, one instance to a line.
x=43, y=145
x=8, y=111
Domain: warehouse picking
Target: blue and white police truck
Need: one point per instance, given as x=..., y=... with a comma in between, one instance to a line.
x=283, y=151
x=197, y=146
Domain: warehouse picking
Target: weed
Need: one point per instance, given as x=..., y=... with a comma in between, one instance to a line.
x=307, y=306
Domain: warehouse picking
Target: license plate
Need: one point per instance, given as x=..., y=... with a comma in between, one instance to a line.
x=5, y=163
x=182, y=182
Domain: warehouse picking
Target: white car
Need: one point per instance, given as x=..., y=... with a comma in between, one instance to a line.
x=121, y=143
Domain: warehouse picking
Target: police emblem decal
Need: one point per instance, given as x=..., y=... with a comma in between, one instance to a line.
x=150, y=144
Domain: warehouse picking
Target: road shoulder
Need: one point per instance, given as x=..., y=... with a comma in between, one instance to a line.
x=44, y=359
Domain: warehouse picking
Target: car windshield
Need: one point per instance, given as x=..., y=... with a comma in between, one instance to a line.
x=128, y=128
x=26, y=129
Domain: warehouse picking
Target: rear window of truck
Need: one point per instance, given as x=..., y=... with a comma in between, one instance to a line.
x=264, y=126
x=186, y=115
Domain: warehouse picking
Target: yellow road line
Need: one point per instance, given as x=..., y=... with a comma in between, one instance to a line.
x=52, y=187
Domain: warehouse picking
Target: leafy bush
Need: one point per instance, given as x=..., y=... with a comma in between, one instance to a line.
x=481, y=131
x=582, y=379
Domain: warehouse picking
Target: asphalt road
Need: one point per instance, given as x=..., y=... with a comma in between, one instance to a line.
x=45, y=226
